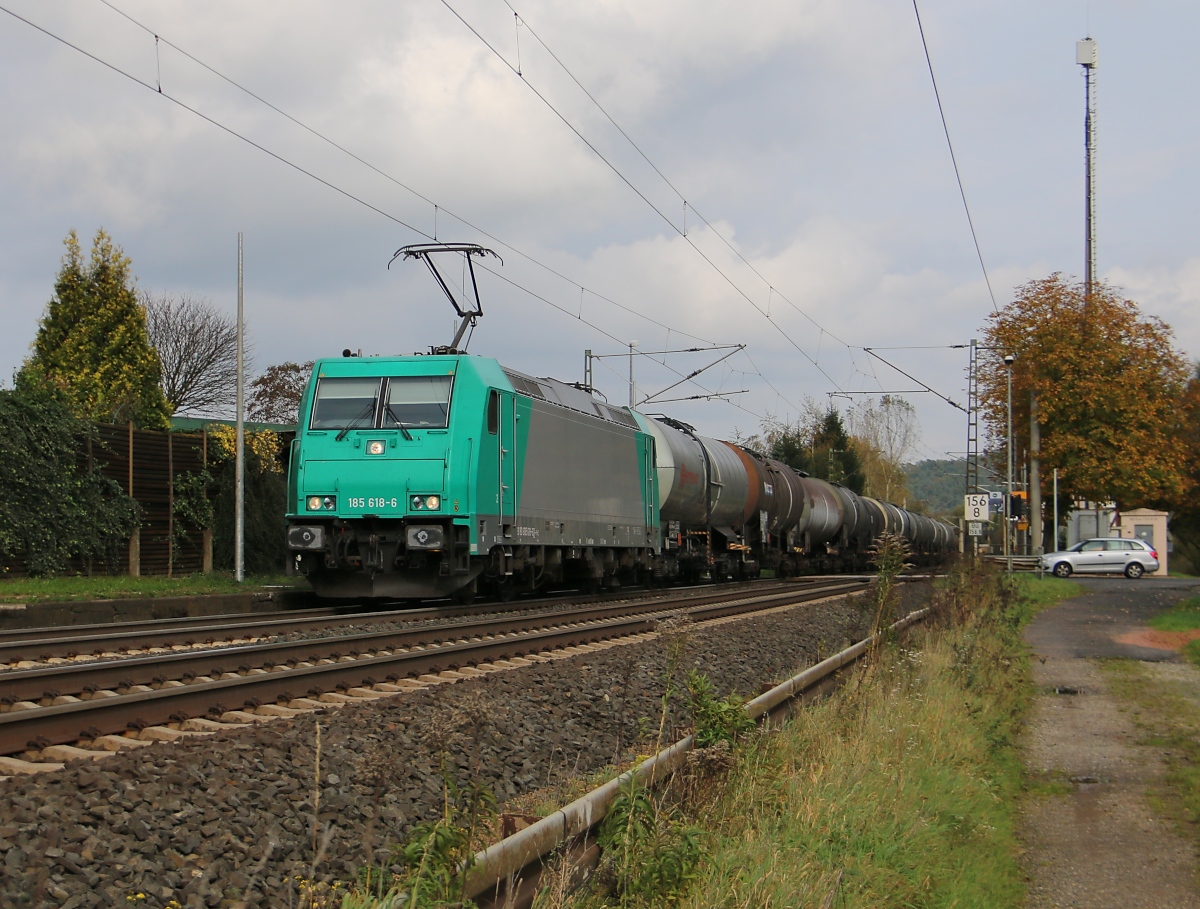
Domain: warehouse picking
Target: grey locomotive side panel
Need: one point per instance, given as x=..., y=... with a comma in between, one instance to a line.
x=582, y=473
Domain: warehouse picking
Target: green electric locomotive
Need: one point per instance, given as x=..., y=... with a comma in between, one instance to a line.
x=430, y=476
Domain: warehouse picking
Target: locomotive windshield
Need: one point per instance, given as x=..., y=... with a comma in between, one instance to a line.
x=410, y=402
x=417, y=402
x=345, y=402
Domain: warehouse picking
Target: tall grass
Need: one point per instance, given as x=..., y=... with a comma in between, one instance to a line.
x=900, y=790
x=891, y=795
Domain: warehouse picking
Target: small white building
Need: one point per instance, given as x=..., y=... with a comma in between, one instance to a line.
x=1137, y=523
x=1149, y=527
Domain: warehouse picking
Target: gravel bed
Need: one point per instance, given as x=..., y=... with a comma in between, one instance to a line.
x=219, y=819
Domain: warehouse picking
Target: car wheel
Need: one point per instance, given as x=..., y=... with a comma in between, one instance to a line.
x=1134, y=570
x=1062, y=570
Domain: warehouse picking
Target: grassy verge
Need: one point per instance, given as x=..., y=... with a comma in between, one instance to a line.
x=900, y=790
x=1183, y=616
x=1180, y=617
x=1166, y=712
x=64, y=589
x=1040, y=593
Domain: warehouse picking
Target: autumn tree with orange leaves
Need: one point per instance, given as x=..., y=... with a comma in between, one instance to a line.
x=1109, y=385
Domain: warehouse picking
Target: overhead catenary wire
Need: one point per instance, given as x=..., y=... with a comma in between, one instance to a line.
x=771, y=289
x=953, y=158
x=441, y=209
x=686, y=205
x=437, y=208
x=709, y=395
x=279, y=157
x=908, y=375
x=641, y=195
x=214, y=122
x=400, y=221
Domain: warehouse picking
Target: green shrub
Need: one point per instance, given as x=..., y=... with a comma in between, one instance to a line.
x=649, y=857
x=714, y=719
x=52, y=509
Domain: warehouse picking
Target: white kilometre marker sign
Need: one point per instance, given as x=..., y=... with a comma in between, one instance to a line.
x=975, y=507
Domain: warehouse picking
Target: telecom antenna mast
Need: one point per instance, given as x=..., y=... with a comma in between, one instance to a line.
x=1085, y=56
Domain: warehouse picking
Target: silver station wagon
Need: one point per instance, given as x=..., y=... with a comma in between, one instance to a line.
x=1111, y=555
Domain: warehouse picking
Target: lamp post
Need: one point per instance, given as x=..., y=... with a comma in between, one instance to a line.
x=1009, y=359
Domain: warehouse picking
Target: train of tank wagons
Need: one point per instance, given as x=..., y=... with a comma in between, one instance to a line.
x=447, y=474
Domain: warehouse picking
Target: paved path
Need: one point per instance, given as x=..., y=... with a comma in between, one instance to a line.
x=1100, y=846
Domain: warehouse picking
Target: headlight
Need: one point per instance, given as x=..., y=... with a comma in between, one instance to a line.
x=433, y=503
x=425, y=503
x=417, y=503
x=322, y=503
x=376, y=447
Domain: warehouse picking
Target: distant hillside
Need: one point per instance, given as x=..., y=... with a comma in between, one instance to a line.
x=939, y=485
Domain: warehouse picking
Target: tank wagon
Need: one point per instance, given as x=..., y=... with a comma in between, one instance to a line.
x=442, y=475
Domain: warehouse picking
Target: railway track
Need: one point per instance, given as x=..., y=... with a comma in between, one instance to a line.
x=21, y=647
x=108, y=705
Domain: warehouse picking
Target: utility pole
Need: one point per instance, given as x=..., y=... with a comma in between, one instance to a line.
x=1035, y=477
x=1086, y=56
x=1055, y=548
x=1008, y=528
x=239, y=494
x=972, y=472
x=973, y=421
x=632, y=387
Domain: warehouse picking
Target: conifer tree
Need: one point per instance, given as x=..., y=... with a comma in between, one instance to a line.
x=834, y=456
x=91, y=348
x=817, y=446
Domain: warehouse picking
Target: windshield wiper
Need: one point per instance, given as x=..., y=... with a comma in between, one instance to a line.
x=353, y=424
x=400, y=423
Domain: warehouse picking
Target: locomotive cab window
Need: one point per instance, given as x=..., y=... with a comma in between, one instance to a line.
x=493, y=413
x=345, y=403
x=417, y=402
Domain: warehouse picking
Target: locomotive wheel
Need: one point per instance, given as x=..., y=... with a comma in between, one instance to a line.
x=506, y=589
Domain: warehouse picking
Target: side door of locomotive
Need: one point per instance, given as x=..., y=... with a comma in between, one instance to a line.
x=498, y=461
x=650, y=488
x=508, y=462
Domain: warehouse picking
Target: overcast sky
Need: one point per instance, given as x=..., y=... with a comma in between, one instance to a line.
x=804, y=132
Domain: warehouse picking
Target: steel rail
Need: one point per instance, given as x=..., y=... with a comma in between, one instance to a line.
x=502, y=863
x=72, y=679
x=41, y=644
x=14, y=637
x=39, y=727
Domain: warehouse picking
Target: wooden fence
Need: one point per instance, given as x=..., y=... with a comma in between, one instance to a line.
x=146, y=464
